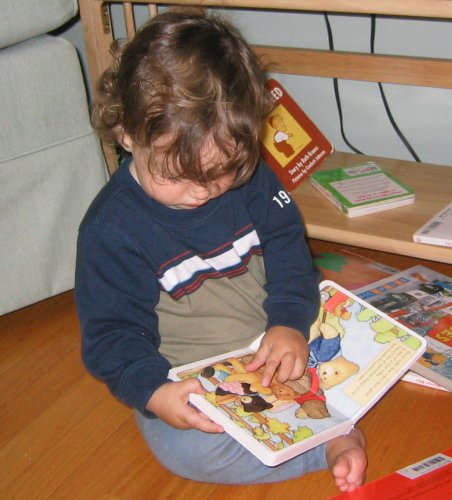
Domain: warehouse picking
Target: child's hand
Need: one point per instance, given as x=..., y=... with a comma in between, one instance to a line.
x=283, y=350
x=170, y=403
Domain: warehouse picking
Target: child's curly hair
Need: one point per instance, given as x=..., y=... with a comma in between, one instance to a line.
x=189, y=78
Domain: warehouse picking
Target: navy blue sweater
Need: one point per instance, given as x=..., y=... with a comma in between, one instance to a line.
x=149, y=276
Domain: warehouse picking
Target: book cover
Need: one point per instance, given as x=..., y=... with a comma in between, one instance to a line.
x=362, y=189
x=430, y=478
x=292, y=145
x=420, y=299
x=347, y=373
x=438, y=230
x=350, y=269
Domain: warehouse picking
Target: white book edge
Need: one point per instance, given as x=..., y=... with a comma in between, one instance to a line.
x=437, y=230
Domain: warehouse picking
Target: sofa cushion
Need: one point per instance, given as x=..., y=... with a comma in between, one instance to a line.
x=23, y=19
x=41, y=95
x=51, y=167
x=43, y=200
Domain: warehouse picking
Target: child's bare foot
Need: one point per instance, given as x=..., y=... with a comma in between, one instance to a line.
x=347, y=460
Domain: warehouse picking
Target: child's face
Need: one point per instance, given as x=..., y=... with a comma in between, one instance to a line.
x=182, y=194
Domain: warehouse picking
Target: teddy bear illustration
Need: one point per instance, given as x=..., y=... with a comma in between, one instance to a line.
x=336, y=371
x=306, y=393
x=325, y=340
x=326, y=368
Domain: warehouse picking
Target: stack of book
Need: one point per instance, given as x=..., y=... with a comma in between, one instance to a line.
x=362, y=189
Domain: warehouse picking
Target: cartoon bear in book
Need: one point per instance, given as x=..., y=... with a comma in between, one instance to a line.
x=306, y=393
x=325, y=340
x=325, y=369
x=336, y=371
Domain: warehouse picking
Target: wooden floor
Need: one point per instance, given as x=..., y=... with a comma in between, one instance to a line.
x=62, y=436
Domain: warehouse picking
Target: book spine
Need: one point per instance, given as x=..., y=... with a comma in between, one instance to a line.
x=431, y=240
x=328, y=195
x=433, y=376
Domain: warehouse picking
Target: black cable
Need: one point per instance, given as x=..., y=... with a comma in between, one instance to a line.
x=383, y=96
x=336, y=89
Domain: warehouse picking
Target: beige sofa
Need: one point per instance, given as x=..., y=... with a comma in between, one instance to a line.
x=51, y=163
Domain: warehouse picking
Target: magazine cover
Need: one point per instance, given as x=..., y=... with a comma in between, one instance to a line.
x=420, y=299
x=347, y=372
x=292, y=145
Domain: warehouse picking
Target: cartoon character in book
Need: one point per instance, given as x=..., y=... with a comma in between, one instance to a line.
x=219, y=370
x=325, y=360
x=254, y=403
x=336, y=303
x=325, y=340
x=325, y=332
x=432, y=358
x=241, y=392
x=305, y=392
x=326, y=367
x=240, y=374
x=386, y=331
x=281, y=136
x=235, y=384
x=336, y=371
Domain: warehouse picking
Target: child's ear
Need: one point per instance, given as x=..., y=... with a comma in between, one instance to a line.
x=124, y=139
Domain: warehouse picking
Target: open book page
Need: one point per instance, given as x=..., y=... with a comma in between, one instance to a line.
x=348, y=370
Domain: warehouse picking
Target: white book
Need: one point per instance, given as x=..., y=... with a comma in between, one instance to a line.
x=438, y=230
x=349, y=370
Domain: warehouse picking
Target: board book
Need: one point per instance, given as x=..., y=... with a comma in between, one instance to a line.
x=438, y=230
x=362, y=189
x=430, y=478
x=347, y=373
x=421, y=299
x=292, y=145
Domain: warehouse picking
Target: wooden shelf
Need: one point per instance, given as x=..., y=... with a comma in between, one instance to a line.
x=412, y=8
x=387, y=231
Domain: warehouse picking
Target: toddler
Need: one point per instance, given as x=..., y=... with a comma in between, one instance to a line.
x=193, y=248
